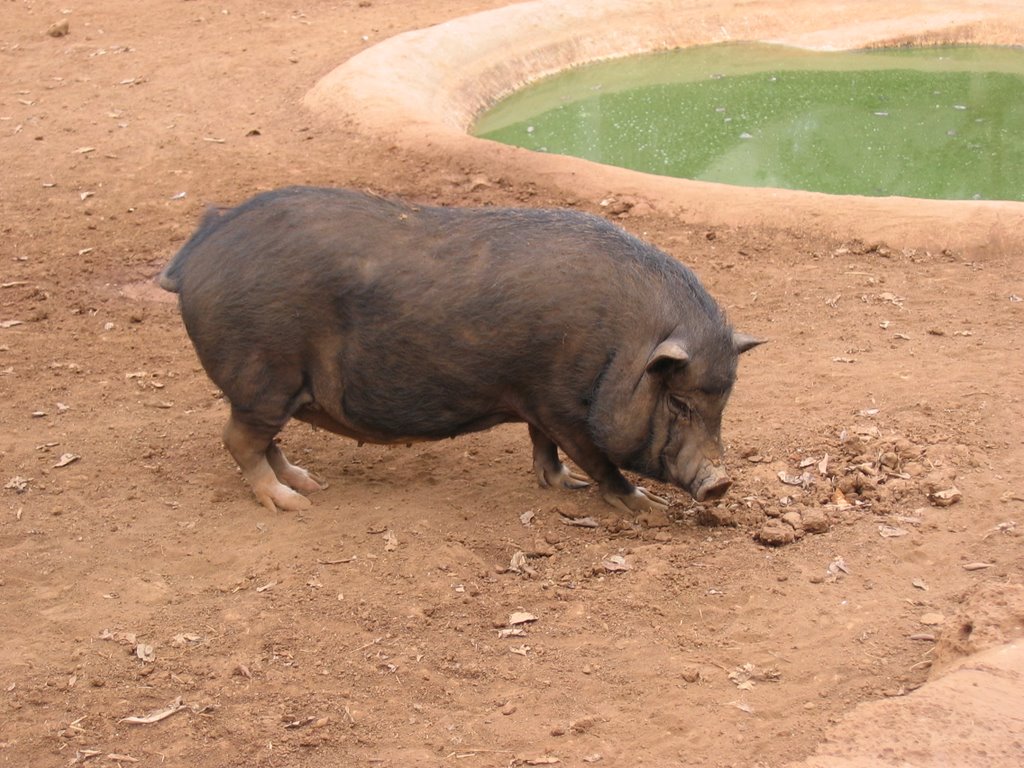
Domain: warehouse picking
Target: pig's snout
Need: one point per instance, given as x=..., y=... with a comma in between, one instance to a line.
x=713, y=485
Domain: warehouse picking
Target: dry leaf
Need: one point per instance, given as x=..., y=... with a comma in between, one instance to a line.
x=520, y=617
x=804, y=481
x=1008, y=526
x=837, y=567
x=518, y=564
x=891, y=532
x=66, y=458
x=511, y=632
x=891, y=298
x=920, y=584
x=616, y=564
x=521, y=650
x=745, y=675
x=18, y=484
x=839, y=499
x=581, y=522
x=390, y=541
x=946, y=498
x=978, y=566
x=527, y=517
x=145, y=652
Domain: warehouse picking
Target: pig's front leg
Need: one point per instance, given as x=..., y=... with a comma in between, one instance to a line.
x=615, y=489
x=640, y=500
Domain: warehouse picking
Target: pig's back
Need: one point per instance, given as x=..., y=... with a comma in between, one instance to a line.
x=457, y=309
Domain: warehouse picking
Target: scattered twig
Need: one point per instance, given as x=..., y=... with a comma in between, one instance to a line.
x=156, y=715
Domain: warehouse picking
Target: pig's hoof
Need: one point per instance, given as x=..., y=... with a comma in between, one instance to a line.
x=640, y=500
x=278, y=496
x=301, y=480
x=560, y=477
x=291, y=474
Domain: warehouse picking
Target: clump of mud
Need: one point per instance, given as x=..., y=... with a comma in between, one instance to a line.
x=863, y=473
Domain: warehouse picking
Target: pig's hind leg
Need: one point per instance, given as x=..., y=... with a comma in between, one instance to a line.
x=551, y=472
x=252, y=446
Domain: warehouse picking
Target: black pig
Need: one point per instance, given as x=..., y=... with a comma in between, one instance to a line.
x=392, y=323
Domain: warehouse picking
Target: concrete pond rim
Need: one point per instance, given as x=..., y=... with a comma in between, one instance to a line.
x=421, y=91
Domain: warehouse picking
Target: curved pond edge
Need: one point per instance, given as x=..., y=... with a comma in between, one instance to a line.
x=421, y=90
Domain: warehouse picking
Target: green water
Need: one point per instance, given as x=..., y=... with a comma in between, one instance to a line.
x=918, y=122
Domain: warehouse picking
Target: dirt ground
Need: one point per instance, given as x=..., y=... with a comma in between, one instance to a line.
x=138, y=574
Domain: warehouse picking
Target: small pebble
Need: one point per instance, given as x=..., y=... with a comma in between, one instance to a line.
x=59, y=29
x=508, y=709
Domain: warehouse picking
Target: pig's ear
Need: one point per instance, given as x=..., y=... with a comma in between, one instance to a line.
x=666, y=357
x=744, y=341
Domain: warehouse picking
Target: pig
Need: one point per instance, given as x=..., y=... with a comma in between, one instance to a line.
x=388, y=322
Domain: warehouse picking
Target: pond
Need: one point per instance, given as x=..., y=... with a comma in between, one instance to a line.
x=938, y=122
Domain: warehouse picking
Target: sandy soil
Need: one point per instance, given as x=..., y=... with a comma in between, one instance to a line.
x=137, y=572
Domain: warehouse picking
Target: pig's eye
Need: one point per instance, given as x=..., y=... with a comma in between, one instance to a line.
x=678, y=407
